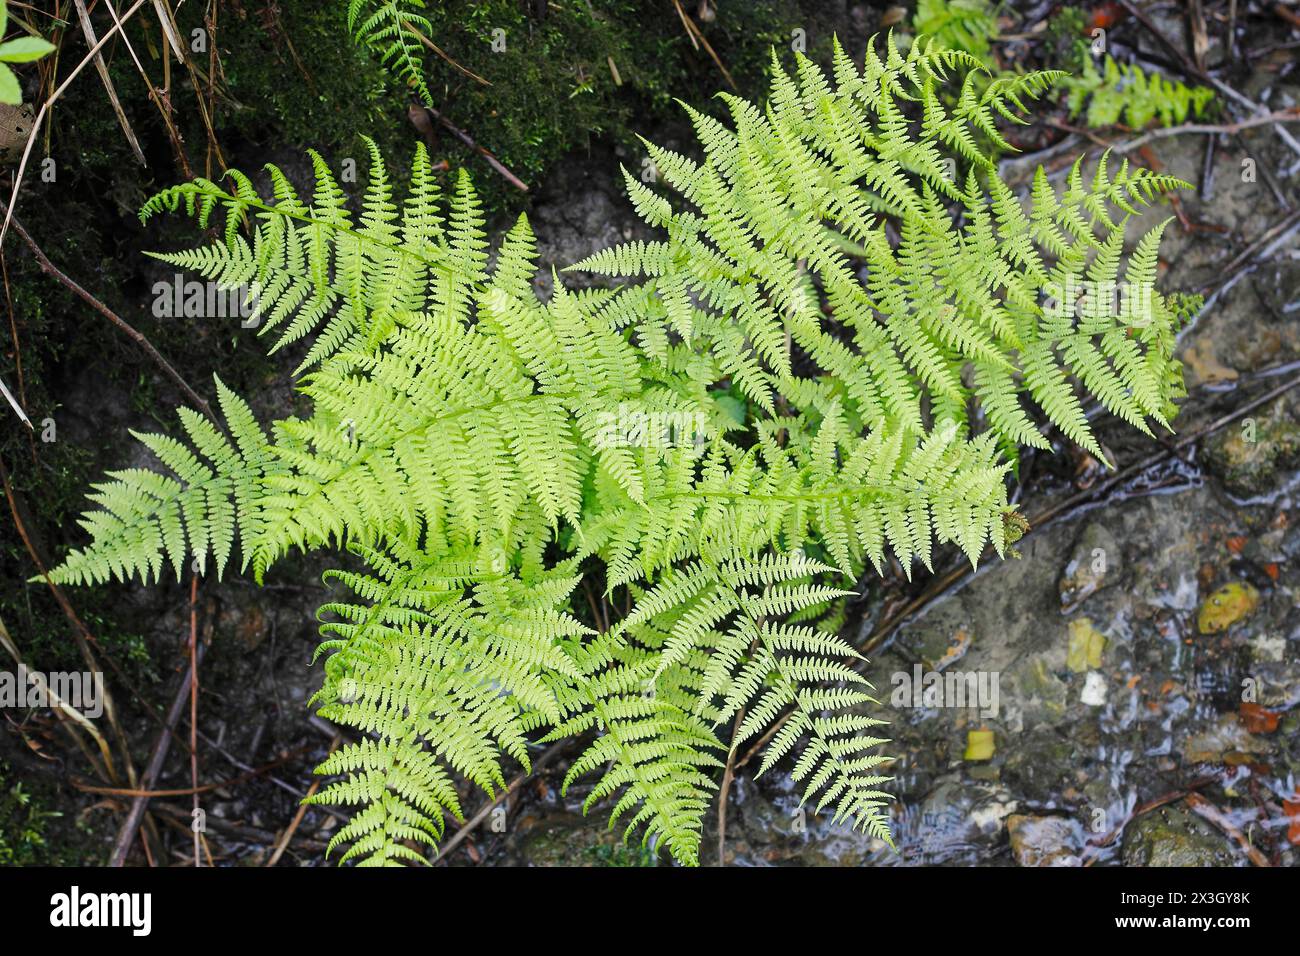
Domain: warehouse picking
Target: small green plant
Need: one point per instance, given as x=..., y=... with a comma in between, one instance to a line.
x=392, y=29
x=1125, y=90
x=958, y=25
x=631, y=517
x=19, y=50
x=23, y=823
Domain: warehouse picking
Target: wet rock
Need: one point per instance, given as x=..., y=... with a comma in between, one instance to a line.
x=1250, y=325
x=955, y=818
x=1146, y=711
x=944, y=637
x=1040, y=692
x=562, y=840
x=1040, y=765
x=1043, y=841
x=1203, y=366
x=1228, y=738
x=776, y=821
x=1254, y=458
x=1174, y=836
x=1095, y=562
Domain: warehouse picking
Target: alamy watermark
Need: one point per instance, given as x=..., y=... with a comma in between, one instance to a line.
x=953, y=688
x=75, y=908
x=634, y=427
x=1130, y=302
x=81, y=690
x=191, y=299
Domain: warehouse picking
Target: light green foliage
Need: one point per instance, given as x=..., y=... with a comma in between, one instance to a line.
x=821, y=362
x=23, y=824
x=782, y=198
x=966, y=25
x=18, y=50
x=389, y=28
x=1125, y=90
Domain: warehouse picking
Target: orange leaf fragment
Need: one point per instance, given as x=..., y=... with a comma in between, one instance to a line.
x=1258, y=720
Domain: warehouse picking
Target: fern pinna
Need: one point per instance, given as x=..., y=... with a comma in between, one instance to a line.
x=1140, y=97
x=832, y=354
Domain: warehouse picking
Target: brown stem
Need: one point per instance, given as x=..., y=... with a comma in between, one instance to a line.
x=194, y=703
x=303, y=807
x=463, y=833
x=724, y=791
x=126, y=835
x=465, y=138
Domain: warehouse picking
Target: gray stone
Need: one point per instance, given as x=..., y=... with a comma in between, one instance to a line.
x=1174, y=836
x=1044, y=841
x=1095, y=563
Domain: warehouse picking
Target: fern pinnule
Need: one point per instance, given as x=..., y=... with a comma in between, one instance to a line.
x=448, y=666
x=1126, y=90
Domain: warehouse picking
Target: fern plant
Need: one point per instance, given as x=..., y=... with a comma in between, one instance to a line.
x=392, y=29
x=832, y=354
x=1125, y=90
x=958, y=25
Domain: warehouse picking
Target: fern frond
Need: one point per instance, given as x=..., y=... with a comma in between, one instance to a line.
x=388, y=27
x=966, y=25
x=783, y=197
x=448, y=665
x=1126, y=90
x=214, y=498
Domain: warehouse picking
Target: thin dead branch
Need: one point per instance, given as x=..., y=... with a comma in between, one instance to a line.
x=45, y=109
x=88, y=29
x=51, y=269
x=465, y=138
x=130, y=826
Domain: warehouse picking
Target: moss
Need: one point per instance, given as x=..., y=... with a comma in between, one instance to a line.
x=631, y=855
x=1067, y=37
x=1174, y=837
x=290, y=77
x=563, y=841
x=1255, y=457
x=293, y=78
x=553, y=88
x=43, y=825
